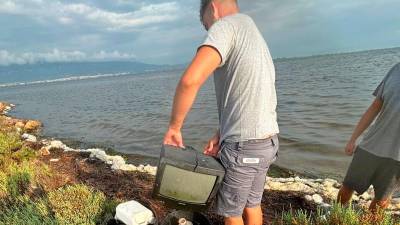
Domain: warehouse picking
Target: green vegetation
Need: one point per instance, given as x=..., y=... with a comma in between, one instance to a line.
x=21, y=205
x=23, y=201
x=337, y=215
x=77, y=205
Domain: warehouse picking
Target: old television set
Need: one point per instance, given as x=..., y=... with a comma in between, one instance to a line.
x=187, y=179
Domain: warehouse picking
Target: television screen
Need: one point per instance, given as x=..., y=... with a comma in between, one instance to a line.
x=186, y=186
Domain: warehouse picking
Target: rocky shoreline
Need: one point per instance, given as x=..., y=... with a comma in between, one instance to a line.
x=314, y=192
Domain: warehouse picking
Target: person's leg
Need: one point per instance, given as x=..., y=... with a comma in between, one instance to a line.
x=268, y=149
x=233, y=221
x=234, y=190
x=379, y=204
x=253, y=216
x=386, y=182
x=345, y=194
x=358, y=177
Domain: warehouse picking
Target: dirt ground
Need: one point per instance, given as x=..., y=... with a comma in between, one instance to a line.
x=75, y=168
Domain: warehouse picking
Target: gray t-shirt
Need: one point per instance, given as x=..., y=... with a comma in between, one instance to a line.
x=383, y=138
x=244, y=81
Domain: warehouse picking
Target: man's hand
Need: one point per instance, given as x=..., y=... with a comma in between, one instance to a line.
x=350, y=147
x=174, y=138
x=212, y=147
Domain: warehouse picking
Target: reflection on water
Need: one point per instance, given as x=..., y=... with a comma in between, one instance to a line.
x=320, y=100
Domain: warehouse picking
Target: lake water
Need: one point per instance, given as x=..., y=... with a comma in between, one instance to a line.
x=321, y=98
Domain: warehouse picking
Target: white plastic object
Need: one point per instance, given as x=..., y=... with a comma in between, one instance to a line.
x=183, y=221
x=134, y=213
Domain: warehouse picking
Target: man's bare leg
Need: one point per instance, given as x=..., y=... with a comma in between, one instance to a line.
x=234, y=221
x=379, y=204
x=345, y=194
x=253, y=216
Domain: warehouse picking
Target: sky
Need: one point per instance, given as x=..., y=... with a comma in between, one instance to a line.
x=169, y=32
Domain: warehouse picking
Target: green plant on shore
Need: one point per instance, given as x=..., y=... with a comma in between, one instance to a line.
x=19, y=179
x=25, y=211
x=338, y=215
x=13, y=151
x=299, y=217
x=77, y=204
x=9, y=142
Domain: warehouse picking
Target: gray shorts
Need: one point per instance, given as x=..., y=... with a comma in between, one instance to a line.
x=367, y=169
x=246, y=164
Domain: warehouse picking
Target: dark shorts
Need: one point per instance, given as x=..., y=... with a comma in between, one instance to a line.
x=367, y=169
x=246, y=164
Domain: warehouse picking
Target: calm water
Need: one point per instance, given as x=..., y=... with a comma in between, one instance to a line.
x=320, y=100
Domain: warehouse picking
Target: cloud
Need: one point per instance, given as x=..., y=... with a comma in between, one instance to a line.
x=169, y=31
x=7, y=58
x=67, y=13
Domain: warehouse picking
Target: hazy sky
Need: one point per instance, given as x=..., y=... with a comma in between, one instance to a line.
x=168, y=32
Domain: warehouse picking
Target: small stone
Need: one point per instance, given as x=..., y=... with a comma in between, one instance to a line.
x=19, y=124
x=54, y=160
x=56, y=144
x=308, y=198
x=330, y=183
x=325, y=205
x=140, y=168
x=317, y=199
x=128, y=167
x=32, y=125
x=44, y=151
x=29, y=137
x=366, y=196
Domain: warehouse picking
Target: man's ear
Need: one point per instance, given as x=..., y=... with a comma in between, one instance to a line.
x=215, y=11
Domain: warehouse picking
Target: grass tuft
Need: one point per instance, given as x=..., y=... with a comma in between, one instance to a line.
x=338, y=215
x=77, y=204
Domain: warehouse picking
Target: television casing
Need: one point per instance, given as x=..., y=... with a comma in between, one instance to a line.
x=188, y=159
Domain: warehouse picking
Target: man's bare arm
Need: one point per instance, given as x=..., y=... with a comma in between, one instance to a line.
x=203, y=65
x=365, y=121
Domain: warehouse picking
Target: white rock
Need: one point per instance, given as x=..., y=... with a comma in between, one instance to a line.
x=99, y=154
x=54, y=160
x=29, y=137
x=140, y=168
x=128, y=167
x=330, y=183
x=317, y=199
x=365, y=196
x=325, y=205
x=117, y=162
x=57, y=144
x=299, y=187
x=308, y=198
x=150, y=170
x=312, y=184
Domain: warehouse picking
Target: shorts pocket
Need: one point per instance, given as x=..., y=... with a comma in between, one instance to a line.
x=226, y=156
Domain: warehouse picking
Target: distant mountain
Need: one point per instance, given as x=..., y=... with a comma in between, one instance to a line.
x=51, y=71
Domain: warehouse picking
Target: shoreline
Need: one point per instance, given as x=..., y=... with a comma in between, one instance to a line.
x=285, y=189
